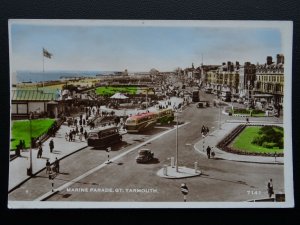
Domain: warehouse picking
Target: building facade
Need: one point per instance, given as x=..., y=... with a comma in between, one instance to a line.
x=225, y=77
x=270, y=78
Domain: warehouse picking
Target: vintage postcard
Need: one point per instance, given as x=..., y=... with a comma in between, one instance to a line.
x=150, y=114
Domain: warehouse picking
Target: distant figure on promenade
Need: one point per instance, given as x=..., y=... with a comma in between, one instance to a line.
x=80, y=136
x=48, y=168
x=40, y=152
x=70, y=136
x=247, y=120
x=56, y=165
x=204, y=130
x=208, y=150
x=66, y=136
x=270, y=188
x=85, y=135
x=51, y=145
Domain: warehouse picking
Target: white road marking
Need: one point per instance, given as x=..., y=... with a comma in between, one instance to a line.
x=64, y=186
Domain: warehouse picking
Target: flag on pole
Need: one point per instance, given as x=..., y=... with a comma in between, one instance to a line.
x=47, y=54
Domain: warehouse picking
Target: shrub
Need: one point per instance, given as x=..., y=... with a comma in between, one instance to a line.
x=269, y=144
x=269, y=137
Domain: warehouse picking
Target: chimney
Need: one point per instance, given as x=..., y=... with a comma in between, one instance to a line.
x=269, y=60
x=280, y=58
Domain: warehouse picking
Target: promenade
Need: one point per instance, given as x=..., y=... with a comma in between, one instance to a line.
x=62, y=148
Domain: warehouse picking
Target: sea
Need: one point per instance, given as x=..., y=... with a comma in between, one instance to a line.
x=35, y=76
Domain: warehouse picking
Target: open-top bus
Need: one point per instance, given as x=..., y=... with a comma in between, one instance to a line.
x=104, y=136
x=140, y=122
x=165, y=116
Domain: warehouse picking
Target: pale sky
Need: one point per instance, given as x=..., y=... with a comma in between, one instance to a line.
x=137, y=48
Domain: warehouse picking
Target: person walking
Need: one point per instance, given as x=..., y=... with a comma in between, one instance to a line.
x=85, y=135
x=208, y=150
x=48, y=168
x=247, y=120
x=270, y=188
x=40, y=152
x=51, y=145
x=66, y=136
x=70, y=135
x=56, y=164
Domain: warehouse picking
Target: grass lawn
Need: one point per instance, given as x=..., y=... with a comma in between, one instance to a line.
x=248, y=113
x=243, y=142
x=21, y=130
x=112, y=90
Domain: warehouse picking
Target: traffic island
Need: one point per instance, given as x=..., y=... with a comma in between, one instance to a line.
x=170, y=172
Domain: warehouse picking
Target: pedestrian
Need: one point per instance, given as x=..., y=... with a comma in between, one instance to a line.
x=80, y=136
x=40, y=152
x=51, y=145
x=208, y=150
x=20, y=145
x=66, y=136
x=270, y=188
x=247, y=120
x=73, y=135
x=203, y=130
x=48, y=168
x=206, y=130
x=83, y=122
x=56, y=165
x=81, y=129
x=70, y=135
x=75, y=122
x=85, y=135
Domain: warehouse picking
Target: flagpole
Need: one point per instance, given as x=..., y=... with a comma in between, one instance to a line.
x=43, y=59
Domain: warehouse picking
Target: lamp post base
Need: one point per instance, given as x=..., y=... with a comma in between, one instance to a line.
x=29, y=172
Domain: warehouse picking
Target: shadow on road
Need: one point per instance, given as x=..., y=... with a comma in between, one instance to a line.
x=115, y=147
x=152, y=161
x=229, y=181
x=67, y=180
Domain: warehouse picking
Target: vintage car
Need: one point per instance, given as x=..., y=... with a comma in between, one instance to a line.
x=145, y=155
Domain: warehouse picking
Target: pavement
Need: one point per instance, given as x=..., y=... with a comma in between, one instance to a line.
x=62, y=148
x=213, y=138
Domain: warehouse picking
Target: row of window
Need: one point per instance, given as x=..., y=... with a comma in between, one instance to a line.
x=270, y=78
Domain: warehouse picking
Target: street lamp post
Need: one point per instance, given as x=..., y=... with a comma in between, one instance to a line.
x=220, y=116
x=176, y=161
x=29, y=170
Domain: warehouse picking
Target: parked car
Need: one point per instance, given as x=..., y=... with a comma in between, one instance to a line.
x=145, y=155
x=200, y=105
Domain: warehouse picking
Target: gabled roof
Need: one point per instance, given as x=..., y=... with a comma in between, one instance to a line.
x=32, y=95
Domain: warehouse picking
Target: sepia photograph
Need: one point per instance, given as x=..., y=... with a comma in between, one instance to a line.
x=150, y=114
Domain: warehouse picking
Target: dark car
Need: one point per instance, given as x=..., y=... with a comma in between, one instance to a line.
x=200, y=105
x=145, y=155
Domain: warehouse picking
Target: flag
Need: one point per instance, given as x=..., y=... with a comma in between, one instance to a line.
x=47, y=54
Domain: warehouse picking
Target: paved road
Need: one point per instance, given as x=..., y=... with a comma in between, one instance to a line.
x=120, y=180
